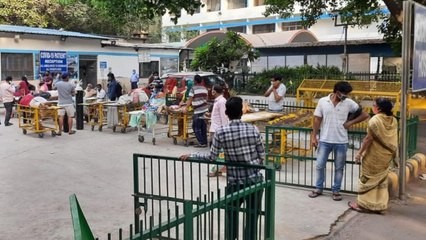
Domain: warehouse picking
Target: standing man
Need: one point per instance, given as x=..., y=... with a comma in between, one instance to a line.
x=112, y=87
x=66, y=91
x=134, y=79
x=7, y=95
x=218, y=119
x=241, y=143
x=331, y=115
x=275, y=94
x=197, y=98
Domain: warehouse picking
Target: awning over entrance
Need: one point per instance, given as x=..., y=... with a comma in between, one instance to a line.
x=259, y=40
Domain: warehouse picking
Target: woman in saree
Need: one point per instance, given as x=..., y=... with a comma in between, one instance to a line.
x=376, y=155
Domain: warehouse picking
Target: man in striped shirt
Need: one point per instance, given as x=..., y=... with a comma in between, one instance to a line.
x=197, y=98
x=241, y=143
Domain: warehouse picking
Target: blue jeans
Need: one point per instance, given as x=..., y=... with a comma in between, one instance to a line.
x=324, y=150
x=200, y=128
x=134, y=85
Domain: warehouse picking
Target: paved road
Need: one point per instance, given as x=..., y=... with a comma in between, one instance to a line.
x=403, y=220
x=38, y=175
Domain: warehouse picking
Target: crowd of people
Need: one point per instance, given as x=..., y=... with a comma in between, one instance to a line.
x=228, y=133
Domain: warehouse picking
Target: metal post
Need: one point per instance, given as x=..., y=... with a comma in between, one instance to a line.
x=79, y=108
x=406, y=58
x=345, y=53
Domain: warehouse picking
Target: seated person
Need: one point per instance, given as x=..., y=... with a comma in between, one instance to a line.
x=100, y=93
x=89, y=91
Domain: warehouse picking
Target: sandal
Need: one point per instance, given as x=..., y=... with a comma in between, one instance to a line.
x=71, y=132
x=315, y=193
x=354, y=206
x=336, y=196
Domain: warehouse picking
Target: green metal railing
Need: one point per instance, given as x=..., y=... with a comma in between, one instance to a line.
x=289, y=149
x=176, y=199
x=412, y=125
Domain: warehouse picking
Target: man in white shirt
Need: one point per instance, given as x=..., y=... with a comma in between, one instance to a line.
x=100, y=93
x=6, y=94
x=275, y=94
x=331, y=115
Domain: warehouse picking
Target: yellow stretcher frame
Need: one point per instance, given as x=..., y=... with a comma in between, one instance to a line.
x=311, y=89
x=123, y=116
x=95, y=114
x=181, y=131
x=30, y=120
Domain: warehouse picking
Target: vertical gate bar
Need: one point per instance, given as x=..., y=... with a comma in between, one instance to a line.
x=188, y=221
x=270, y=205
x=136, y=189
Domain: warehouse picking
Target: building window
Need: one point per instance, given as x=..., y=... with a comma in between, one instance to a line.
x=17, y=65
x=264, y=28
x=147, y=68
x=234, y=4
x=240, y=29
x=213, y=29
x=190, y=34
x=290, y=26
x=213, y=5
x=259, y=2
x=174, y=36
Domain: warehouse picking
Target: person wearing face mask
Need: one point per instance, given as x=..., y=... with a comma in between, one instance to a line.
x=275, y=94
x=331, y=116
x=6, y=96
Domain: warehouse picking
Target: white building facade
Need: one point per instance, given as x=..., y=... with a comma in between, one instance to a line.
x=246, y=16
x=88, y=57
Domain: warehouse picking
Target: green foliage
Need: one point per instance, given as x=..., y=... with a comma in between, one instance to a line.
x=292, y=77
x=216, y=55
x=27, y=12
x=359, y=12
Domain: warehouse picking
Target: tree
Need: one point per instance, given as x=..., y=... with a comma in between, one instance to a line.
x=27, y=12
x=144, y=9
x=360, y=12
x=216, y=55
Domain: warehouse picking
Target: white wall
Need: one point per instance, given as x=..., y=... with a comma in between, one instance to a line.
x=120, y=60
x=325, y=30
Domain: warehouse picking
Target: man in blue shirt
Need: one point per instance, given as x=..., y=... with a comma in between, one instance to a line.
x=134, y=79
x=112, y=87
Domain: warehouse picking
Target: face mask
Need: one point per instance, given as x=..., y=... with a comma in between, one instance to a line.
x=342, y=97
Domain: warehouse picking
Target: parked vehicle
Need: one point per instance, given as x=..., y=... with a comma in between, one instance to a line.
x=209, y=79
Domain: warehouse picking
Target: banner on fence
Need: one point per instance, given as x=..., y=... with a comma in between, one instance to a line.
x=419, y=52
x=53, y=61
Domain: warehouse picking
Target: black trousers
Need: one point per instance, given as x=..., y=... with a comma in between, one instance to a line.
x=253, y=203
x=9, y=108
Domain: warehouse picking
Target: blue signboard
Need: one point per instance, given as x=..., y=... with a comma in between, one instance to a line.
x=103, y=65
x=419, y=52
x=53, y=61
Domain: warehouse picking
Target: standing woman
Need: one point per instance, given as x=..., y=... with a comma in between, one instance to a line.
x=24, y=86
x=376, y=155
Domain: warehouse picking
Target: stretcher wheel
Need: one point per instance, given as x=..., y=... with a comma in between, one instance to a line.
x=153, y=141
x=100, y=129
x=141, y=139
x=41, y=135
x=123, y=130
x=93, y=127
x=114, y=128
x=174, y=141
x=53, y=133
x=24, y=131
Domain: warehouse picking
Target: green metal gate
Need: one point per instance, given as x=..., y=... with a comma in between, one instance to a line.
x=289, y=148
x=176, y=199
